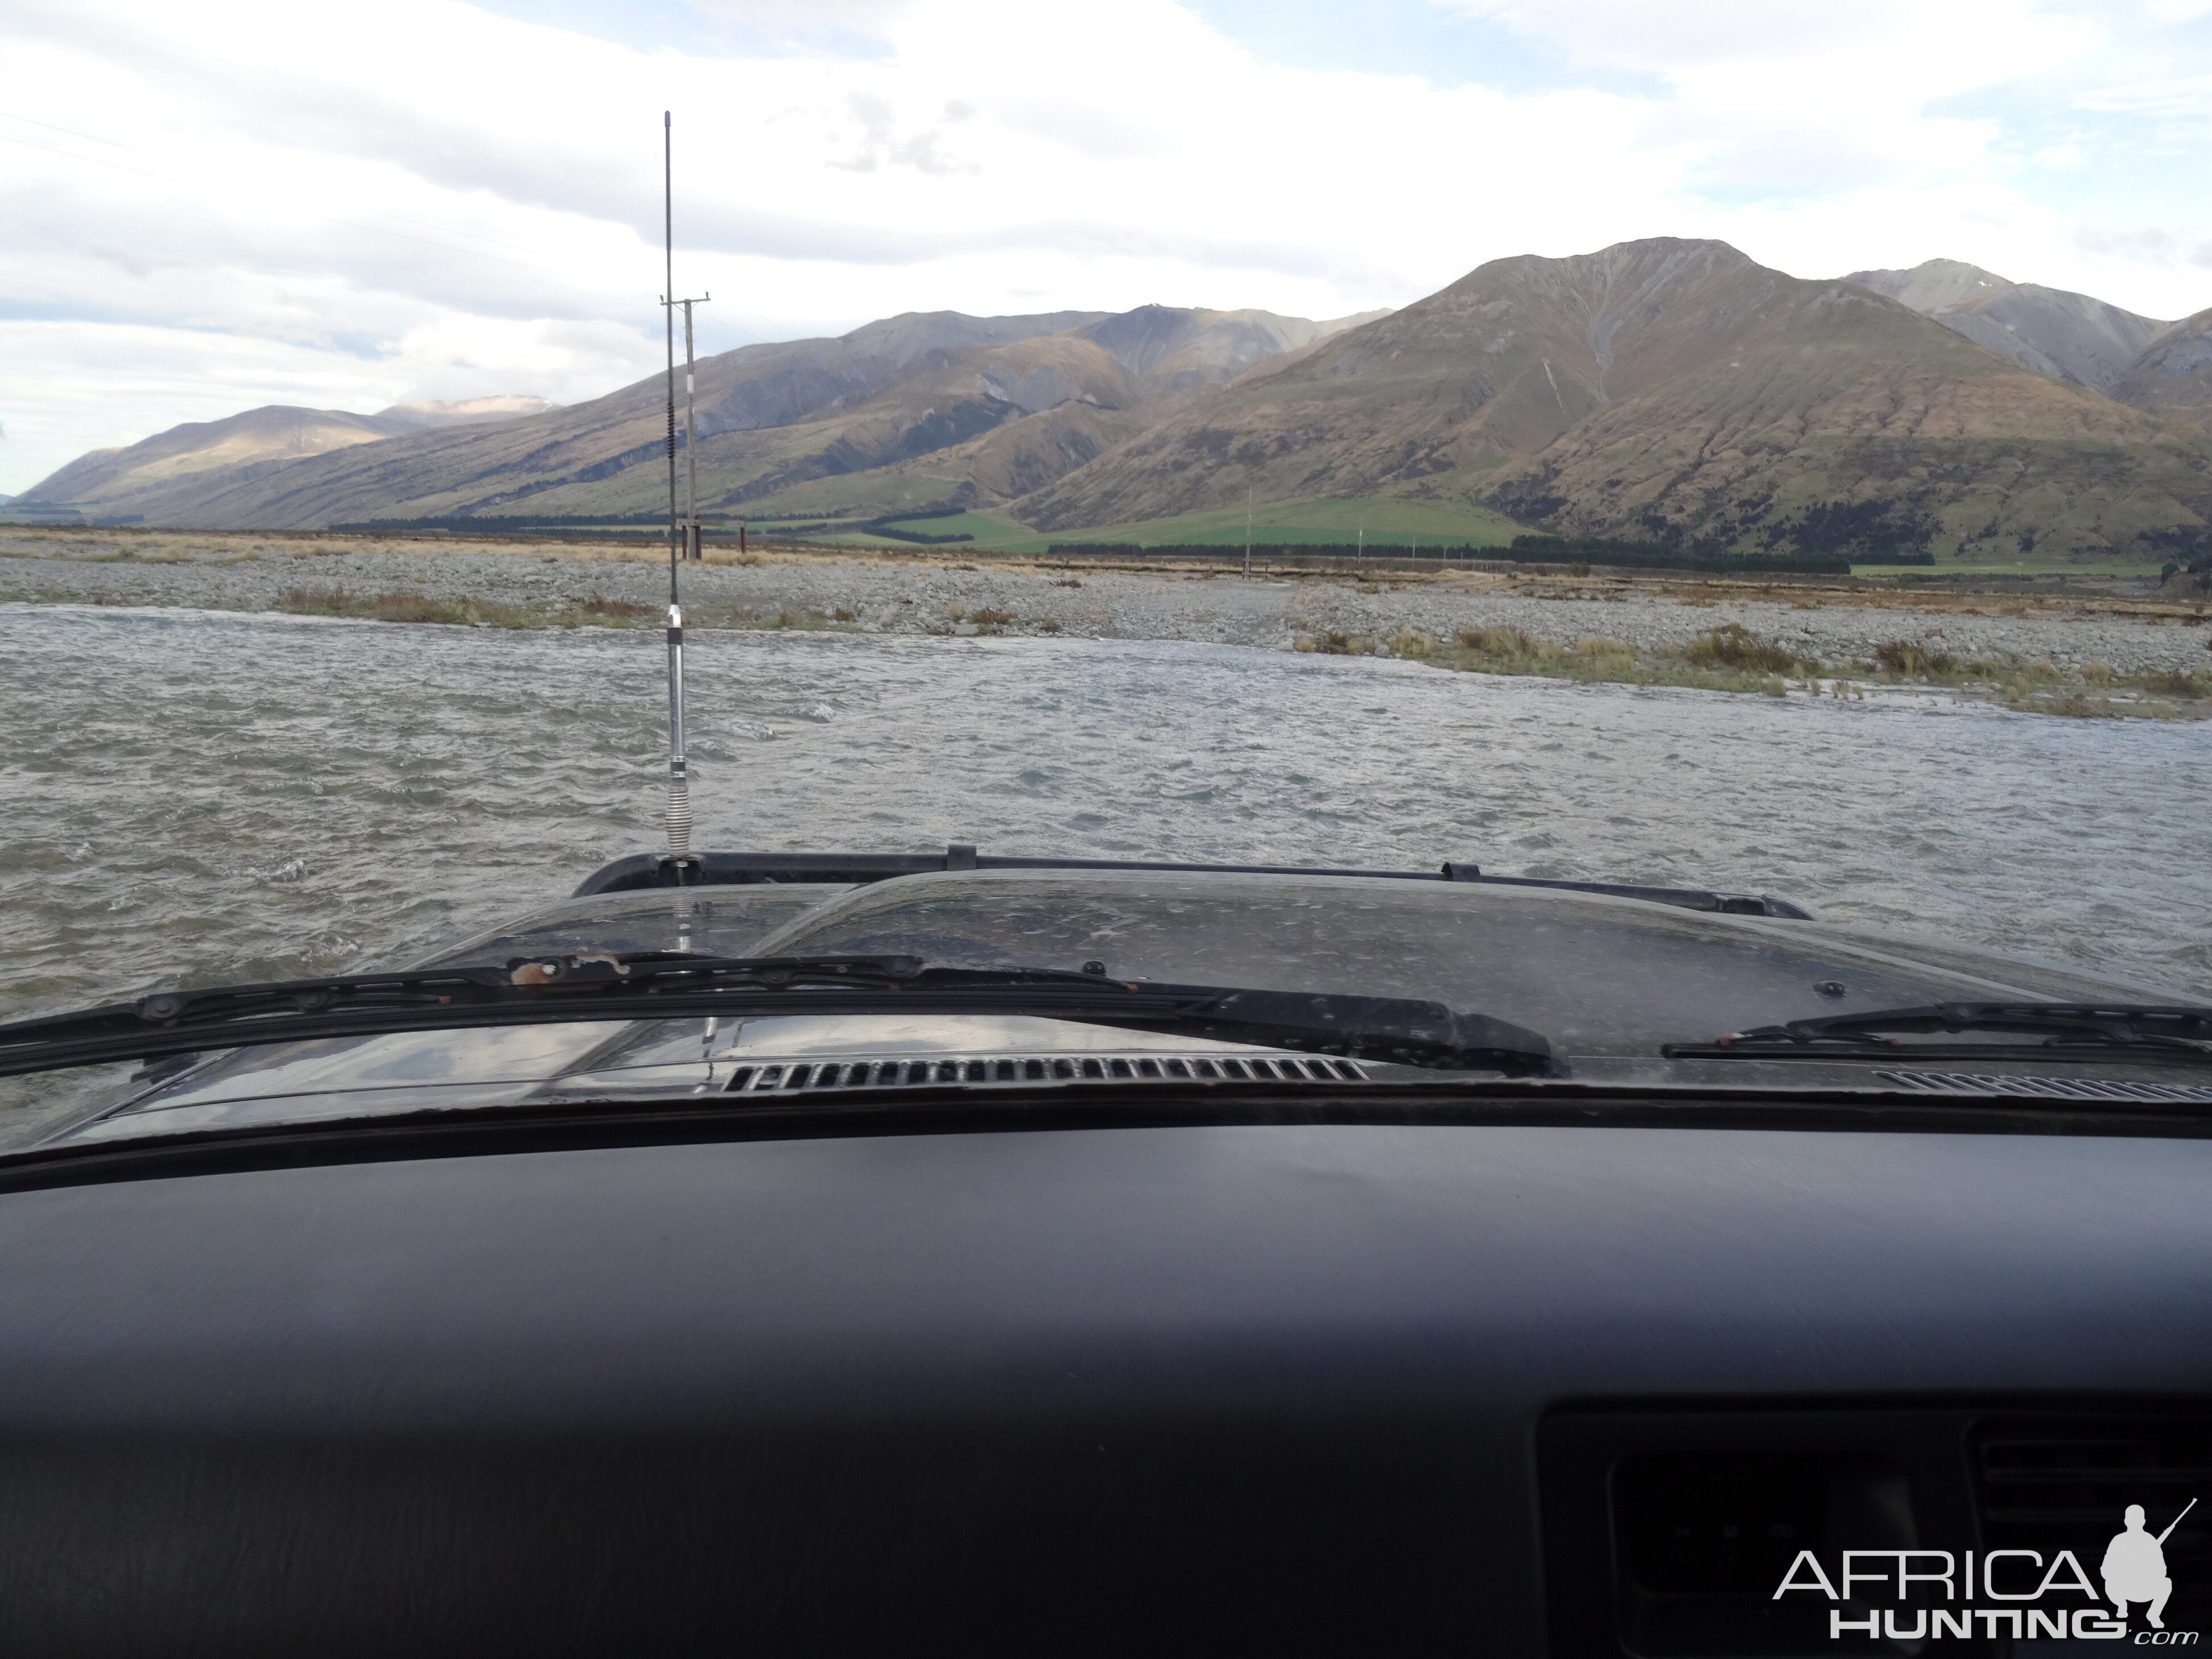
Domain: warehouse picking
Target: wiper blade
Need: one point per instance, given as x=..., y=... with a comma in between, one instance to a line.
x=659, y=985
x=1394, y=1029
x=2069, y=1031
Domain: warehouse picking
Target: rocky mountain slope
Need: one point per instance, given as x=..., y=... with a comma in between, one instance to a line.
x=916, y=409
x=2171, y=376
x=2066, y=336
x=166, y=475
x=1679, y=391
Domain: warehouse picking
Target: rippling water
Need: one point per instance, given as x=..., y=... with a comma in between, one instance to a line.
x=213, y=796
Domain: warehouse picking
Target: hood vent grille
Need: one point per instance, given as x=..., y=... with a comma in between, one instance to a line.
x=2048, y=1088
x=1029, y=1071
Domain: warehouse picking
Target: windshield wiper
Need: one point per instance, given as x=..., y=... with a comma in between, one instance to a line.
x=659, y=985
x=2071, y=1030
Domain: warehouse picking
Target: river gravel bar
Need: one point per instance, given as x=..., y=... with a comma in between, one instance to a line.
x=1840, y=629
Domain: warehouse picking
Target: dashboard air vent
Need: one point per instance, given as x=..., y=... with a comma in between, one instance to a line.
x=2056, y=1483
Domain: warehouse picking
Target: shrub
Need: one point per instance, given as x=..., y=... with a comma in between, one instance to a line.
x=2172, y=682
x=412, y=608
x=1733, y=646
x=629, y=610
x=1904, y=657
x=2075, y=705
x=1498, y=642
x=375, y=607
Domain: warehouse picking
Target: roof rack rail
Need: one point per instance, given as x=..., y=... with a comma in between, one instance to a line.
x=646, y=870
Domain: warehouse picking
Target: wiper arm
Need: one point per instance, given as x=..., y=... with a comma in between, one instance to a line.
x=2072, y=1031
x=1393, y=1028
x=659, y=985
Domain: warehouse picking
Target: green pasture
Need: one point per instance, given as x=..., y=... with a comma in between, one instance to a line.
x=2083, y=567
x=1389, y=525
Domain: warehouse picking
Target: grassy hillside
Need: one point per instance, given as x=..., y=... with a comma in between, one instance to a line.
x=1388, y=523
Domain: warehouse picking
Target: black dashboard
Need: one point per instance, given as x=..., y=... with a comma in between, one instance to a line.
x=1319, y=1387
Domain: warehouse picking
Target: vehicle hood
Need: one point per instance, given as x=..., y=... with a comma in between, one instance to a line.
x=1607, y=980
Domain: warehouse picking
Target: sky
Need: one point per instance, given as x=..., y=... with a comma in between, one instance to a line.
x=213, y=204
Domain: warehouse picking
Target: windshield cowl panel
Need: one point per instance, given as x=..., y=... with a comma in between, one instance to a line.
x=660, y=1060
x=828, y=1062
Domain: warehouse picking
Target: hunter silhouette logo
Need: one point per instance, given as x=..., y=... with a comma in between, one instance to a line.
x=1933, y=1593
x=2135, y=1565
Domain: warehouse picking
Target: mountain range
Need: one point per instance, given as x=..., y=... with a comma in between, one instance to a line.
x=168, y=478
x=1664, y=389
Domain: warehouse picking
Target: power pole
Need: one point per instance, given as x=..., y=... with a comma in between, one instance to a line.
x=691, y=547
x=1360, y=557
x=668, y=248
x=679, y=858
x=1247, y=532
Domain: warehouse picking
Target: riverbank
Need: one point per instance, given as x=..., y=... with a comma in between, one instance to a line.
x=2086, y=652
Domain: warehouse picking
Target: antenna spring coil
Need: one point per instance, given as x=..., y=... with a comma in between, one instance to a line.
x=679, y=822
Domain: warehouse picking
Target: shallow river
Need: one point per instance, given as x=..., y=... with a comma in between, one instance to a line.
x=213, y=796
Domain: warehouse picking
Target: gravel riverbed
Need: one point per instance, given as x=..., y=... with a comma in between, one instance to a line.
x=908, y=596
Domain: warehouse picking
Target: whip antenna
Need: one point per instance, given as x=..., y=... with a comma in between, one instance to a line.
x=679, y=793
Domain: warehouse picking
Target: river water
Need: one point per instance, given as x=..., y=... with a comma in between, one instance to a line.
x=198, y=796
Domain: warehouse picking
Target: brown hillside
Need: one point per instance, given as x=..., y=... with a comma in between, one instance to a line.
x=193, y=454
x=914, y=409
x=170, y=473
x=1669, y=389
x=2171, y=376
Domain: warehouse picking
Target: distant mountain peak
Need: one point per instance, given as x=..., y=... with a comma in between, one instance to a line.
x=2059, y=334
x=435, y=412
x=1935, y=286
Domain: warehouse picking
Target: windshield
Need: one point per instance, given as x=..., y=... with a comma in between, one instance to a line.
x=1583, y=653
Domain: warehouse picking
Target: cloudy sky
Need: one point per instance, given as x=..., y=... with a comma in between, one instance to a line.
x=211, y=204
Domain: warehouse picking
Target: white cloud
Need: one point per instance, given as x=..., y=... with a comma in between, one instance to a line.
x=809, y=17
x=350, y=206
x=1915, y=42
